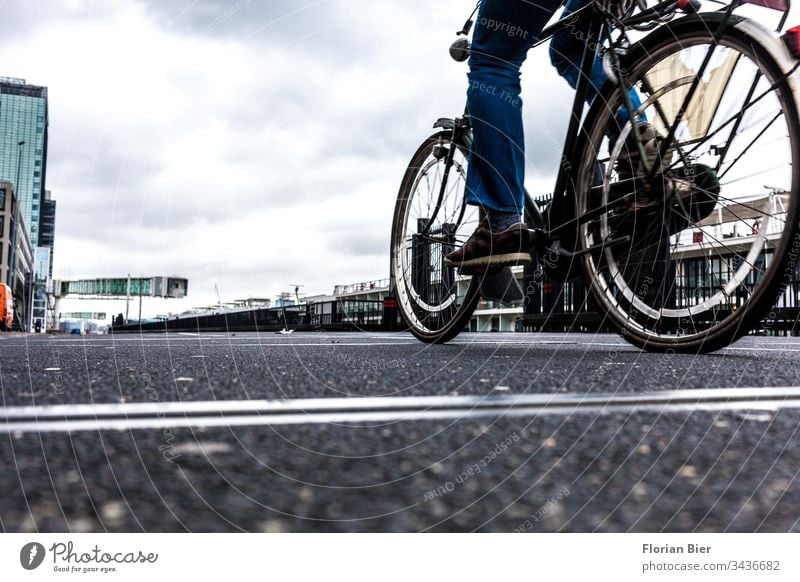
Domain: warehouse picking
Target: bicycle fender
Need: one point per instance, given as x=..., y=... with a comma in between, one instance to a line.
x=445, y=123
x=768, y=39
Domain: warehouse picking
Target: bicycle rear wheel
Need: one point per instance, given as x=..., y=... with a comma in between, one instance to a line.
x=434, y=301
x=713, y=238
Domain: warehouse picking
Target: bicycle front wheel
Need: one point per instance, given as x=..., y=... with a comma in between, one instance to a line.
x=712, y=239
x=431, y=219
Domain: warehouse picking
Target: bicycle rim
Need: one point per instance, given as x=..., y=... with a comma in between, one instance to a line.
x=706, y=253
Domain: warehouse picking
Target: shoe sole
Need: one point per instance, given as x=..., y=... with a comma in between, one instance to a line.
x=505, y=260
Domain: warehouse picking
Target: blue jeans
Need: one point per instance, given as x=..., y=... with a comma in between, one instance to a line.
x=505, y=30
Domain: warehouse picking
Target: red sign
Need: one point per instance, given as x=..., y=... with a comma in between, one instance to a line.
x=781, y=5
x=697, y=237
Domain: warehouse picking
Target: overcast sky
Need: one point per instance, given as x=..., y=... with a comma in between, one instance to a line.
x=250, y=144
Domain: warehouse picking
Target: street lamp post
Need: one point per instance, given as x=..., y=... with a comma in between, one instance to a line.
x=19, y=161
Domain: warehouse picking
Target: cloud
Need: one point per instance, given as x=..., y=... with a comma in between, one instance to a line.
x=251, y=144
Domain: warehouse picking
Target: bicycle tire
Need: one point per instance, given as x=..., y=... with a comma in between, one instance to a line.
x=430, y=321
x=660, y=330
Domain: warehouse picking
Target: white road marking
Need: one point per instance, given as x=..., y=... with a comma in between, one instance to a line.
x=151, y=415
x=760, y=349
x=336, y=344
x=268, y=340
x=226, y=344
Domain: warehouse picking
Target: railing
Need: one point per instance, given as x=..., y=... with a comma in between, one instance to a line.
x=367, y=286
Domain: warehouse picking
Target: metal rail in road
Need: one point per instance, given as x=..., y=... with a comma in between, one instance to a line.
x=81, y=417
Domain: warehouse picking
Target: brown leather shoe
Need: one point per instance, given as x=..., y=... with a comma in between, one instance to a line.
x=485, y=249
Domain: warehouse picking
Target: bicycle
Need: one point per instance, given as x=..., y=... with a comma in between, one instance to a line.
x=683, y=251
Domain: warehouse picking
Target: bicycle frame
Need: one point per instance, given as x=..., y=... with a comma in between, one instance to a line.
x=651, y=230
x=561, y=215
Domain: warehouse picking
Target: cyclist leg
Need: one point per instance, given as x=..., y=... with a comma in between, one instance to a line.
x=505, y=31
x=566, y=52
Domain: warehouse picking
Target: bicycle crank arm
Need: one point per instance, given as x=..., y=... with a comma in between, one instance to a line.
x=614, y=242
x=622, y=200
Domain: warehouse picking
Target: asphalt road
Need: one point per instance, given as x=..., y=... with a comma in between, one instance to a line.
x=687, y=468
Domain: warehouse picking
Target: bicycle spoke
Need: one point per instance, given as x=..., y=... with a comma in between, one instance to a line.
x=739, y=115
x=746, y=149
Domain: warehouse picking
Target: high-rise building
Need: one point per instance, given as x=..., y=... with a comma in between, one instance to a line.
x=23, y=147
x=47, y=227
x=16, y=254
x=39, y=304
x=23, y=162
x=8, y=202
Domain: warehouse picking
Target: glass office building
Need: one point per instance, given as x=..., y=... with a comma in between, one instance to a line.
x=47, y=226
x=23, y=146
x=42, y=262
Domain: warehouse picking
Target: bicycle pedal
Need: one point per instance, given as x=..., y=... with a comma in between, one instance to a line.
x=500, y=286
